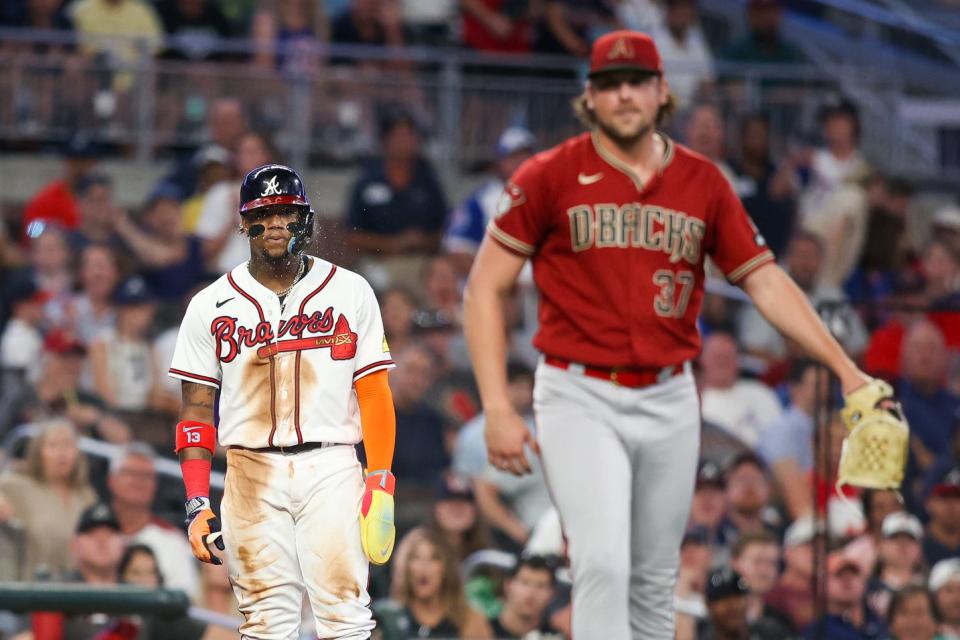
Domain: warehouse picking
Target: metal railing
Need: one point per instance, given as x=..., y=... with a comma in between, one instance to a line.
x=321, y=103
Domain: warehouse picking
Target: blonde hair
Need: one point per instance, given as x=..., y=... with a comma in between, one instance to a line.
x=79, y=477
x=451, y=585
x=588, y=118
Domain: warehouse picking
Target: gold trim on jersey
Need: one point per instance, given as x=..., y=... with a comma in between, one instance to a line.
x=623, y=167
x=737, y=274
x=517, y=245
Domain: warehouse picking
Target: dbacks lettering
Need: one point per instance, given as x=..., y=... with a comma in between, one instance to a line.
x=232, y=337
x=602, y=226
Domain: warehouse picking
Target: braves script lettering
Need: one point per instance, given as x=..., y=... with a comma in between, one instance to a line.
x=232, y=337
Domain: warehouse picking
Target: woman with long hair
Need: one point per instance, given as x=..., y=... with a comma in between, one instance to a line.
x=47, y=497
x=428, y=585
x=138, y=566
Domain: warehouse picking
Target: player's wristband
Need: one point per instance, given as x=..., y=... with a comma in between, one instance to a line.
x=190, y=433
x=382, y=480
x=196, y=477
x=196, y=505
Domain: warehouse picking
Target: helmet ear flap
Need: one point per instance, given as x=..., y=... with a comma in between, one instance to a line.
x=301, y=231
x=308, y=222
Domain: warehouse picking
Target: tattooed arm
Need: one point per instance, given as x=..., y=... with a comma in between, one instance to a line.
x=198, y=401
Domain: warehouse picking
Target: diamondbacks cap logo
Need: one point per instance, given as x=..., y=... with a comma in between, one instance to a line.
x=512, y=196
x=272, y=188
x=621, y=49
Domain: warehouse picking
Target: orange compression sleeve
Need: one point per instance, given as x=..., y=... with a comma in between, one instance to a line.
x=377, y=418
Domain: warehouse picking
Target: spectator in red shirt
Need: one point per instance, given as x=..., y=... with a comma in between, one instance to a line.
x=499, y=26
x=56, y=202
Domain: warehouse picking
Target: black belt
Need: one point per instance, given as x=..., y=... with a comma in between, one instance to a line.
x=296, y=448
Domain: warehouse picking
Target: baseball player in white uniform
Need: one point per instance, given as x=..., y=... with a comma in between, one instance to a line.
x=295, y=345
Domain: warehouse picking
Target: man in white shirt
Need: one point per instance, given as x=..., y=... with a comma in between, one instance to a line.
x=686, y=57
x=740, y=407
x=133, y=484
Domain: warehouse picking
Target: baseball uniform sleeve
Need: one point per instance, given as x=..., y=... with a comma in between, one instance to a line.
x=195, y=356
x=734, y=242
x=522, y=216
x=373, y=353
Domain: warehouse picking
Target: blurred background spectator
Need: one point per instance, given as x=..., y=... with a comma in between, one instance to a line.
x=397, y=208
x=126, y=126
x=46, y=498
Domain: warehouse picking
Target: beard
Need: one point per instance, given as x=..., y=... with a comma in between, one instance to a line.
x=624, y=137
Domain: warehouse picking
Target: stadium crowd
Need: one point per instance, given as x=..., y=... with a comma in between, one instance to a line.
x=92, y=293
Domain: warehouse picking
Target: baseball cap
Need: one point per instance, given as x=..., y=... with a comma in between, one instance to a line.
x=948, y=485
x=133, y=291
x=211, y=154
x=63, y=343
x=947, y=217
x=26, y=290
x=98, y=515
x=514, y=139
x=624, y=51
x=838, y=562
x=81, y=145
x=454, y=487
x=710, y=473
x=943, y=572
x=800, y=531
x=164, y=191
x=724, y=583
x=901, y=522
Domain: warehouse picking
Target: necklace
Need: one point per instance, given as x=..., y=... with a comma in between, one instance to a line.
x=296, y=278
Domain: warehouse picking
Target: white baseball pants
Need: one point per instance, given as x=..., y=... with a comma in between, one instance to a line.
x=290, y=524
x=620, y=464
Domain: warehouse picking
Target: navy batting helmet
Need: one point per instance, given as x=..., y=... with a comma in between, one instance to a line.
x=273, y=185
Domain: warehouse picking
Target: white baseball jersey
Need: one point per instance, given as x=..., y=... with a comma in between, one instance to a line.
x=285, y=372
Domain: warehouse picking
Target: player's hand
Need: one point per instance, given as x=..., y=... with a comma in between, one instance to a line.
x=204, y=530
x=377, y=531
x=506, y=433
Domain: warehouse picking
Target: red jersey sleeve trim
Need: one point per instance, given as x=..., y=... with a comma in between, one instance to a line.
x=750, y=265
x=508, y=241
x=373, y=367
x=193, y=377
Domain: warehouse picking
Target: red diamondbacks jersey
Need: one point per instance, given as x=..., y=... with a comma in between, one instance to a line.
x=619, y=264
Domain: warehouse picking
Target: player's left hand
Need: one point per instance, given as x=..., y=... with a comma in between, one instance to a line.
x=204, y=530
x=377, y=531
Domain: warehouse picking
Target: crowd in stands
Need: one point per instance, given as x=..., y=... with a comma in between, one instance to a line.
x=92, y=294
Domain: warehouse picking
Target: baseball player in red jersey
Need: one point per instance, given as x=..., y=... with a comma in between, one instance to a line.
x=296, y=347
x=617, y=223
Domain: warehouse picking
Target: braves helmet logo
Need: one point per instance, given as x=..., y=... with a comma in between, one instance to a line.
x=272, y=188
